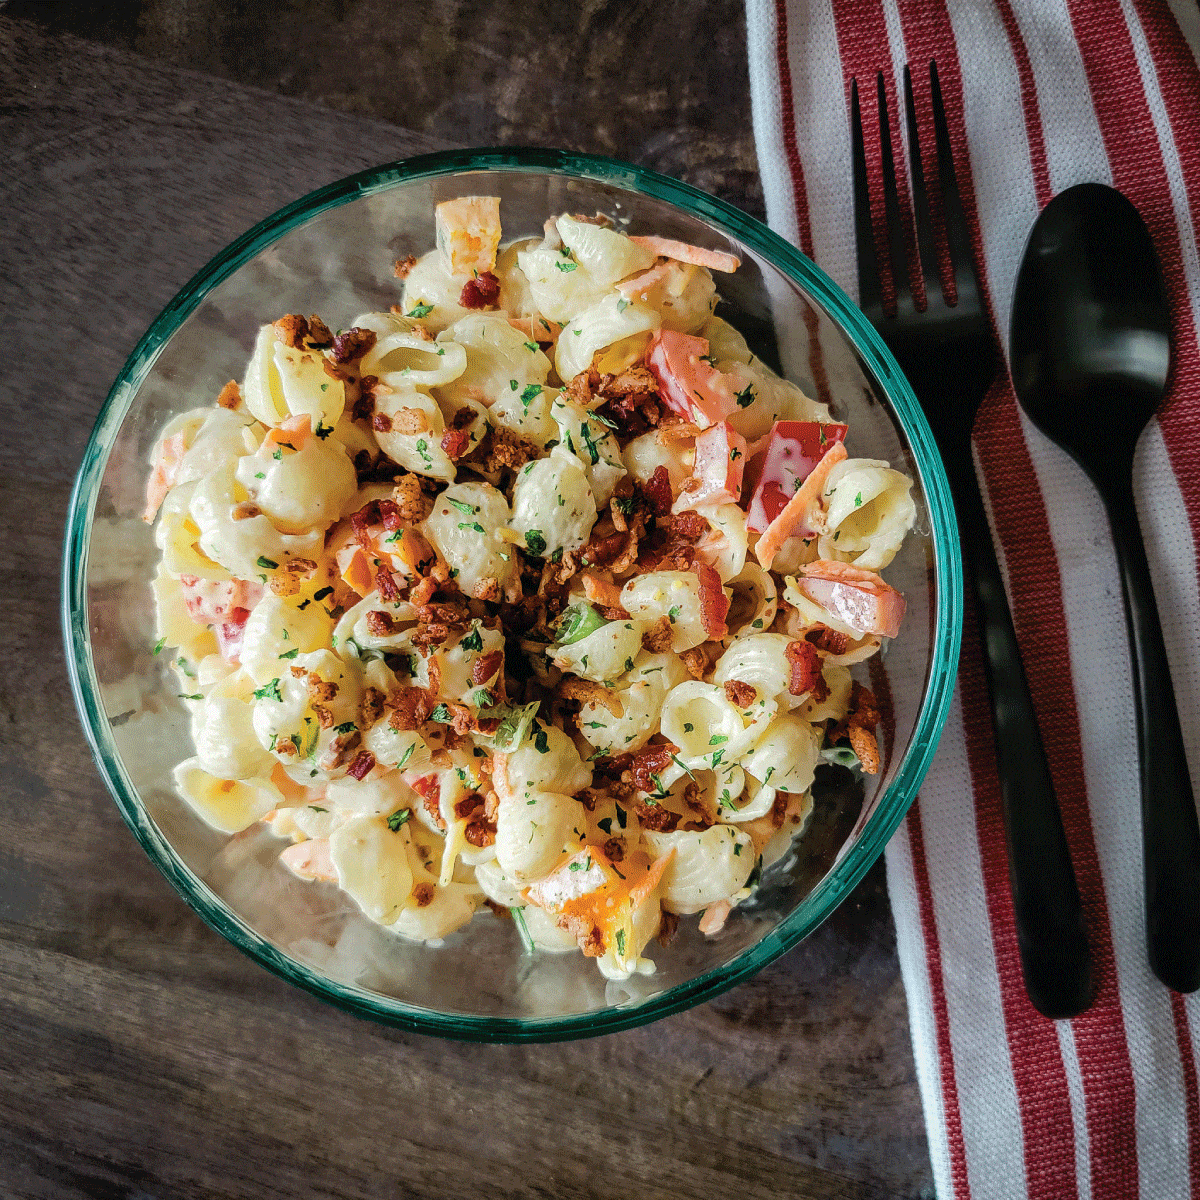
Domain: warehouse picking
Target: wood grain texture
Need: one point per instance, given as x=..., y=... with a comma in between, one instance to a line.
x=141, y=1055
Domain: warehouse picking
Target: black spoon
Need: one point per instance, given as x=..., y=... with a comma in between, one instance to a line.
x=1090, y=352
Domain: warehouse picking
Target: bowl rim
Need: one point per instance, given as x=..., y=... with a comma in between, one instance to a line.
x=947, y=572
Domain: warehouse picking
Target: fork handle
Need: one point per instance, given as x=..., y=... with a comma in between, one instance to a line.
x=1051, y=937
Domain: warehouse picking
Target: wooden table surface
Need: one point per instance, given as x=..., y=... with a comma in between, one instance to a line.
x=140, y=1054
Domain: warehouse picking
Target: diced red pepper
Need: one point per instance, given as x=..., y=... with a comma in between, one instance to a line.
x=687, y=384
x=774, y=473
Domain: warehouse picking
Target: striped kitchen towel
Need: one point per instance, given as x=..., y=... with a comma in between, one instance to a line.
x=1040, y=95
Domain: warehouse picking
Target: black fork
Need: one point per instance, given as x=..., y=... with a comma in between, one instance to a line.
x=949, y=354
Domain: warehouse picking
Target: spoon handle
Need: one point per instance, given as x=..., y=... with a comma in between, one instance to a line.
x=1170, y=831
x=1051, y=937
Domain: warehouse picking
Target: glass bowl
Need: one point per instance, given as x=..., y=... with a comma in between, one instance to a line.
x=332, y=253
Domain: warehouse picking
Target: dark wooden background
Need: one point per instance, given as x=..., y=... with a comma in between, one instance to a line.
x=140, y=1055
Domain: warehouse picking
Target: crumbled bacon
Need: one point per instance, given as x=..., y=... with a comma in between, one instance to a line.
x=291, y=330
x=598, y=590
x=651, y=761
x=659, y=636
x=739, y=693
x=423, y=894
x=371, y=708
x=585, y=931
x=410, y=421
x=504, y=447
x=361, y=522
x=410, y=707
x=230, y=396
x=668, y=928
x=614, y=848
x=480, y=832
x=866, y=746
x=455, y=443
x=351, y=345
x=389, y=515
x=402, y=266
x=487, y=588
x=862, y=716
x=672, y=430
x=806, y=666
x=714, y=603
x=320, y=690
x=485, y=666
x=828, y=641
x=605, y=549
x=360, y=768
x=364, y=406
x=586, y=691
x=381, y=423
x=696, y=661
x=481, y=292
x=653, y=816
x=412, y=505
x=324, y=716
x=386, y=584
x=380, y=624
x=658, y=492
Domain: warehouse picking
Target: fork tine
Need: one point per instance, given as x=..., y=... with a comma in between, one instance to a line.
x=926, y=242
x=893, y=213
x=958, y=238
x=870, y=290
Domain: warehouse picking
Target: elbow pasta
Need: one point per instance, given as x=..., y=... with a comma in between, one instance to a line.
x=447, y=622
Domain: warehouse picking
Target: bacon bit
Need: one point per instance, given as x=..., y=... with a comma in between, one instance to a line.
x=585, y=932
x=739, y=693
x=651, y=761
x=389, y=515
x=230, y=396
x=291, y=330
x=588, y=692
x=422, y=592
x=828, y=641
x=580, y=387
x=410, y=707
x=696, y=661
x=412, y=505
x=714, y=603
x=380, y=624
x=655, y=817
x=658, y=492
x=667, y=929
x=480, y=832
x=299, y=672
x=402, y=266
x=352, y=345
x=598, y=590
x=614, y=848
x=324, y=716
x=504, y=447
x=556, y=575
x=423, y=894
x=498, y=910
x=481, y=292
x=658, y=637
x=485, y=667
x=410, y=421
x=806, y=666
x=381, y=423
x=360, y=768
x=455, y=443
x=362, y=520
x=386, y=584
x=487, y=588
x=342, y=747
x=866, y=746
x=371, y=708
x=319, y=689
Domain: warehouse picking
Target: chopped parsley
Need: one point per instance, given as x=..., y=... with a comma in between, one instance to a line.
x=622, y=305
x=858, y=500
x=194, y=696
x=621, y=942
x=162, y=641
x=419, y=310
x=717, y=739
x=605, y=824
x=441, y=714
x=269, y=691
x=673, y=612
x=322, y=430
x=532, y=346
x=259, y=475
x=290, y=653
x=318, y=808
x=473, y=641
x=540, y=742
x=536, y=541
x=325, y=591
x=423, y=451
x=467, y=510
x=345, y=727
x=531, y=393
x=398, y=818
x=475, y=525
x=593, y=450
x=745, y=397
x=688, y=727
x=406, y=755
x=266, y=563
x=566, y=266
x=621, y=816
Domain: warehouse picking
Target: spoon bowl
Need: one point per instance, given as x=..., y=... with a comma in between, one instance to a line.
x=1091, y=355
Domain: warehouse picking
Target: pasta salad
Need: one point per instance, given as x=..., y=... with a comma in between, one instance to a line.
x=537, y=592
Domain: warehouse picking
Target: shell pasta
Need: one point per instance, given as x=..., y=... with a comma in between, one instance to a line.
x=538, y=591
